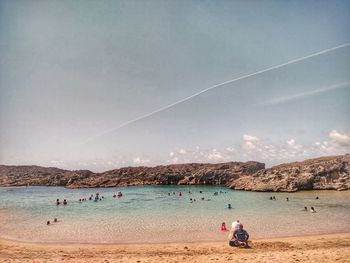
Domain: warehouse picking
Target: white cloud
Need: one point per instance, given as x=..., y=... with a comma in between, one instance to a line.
x=138, y=160
x=57, y=162
x=215, y=155
x=171, y=154
x=250, y=138
x=230, y=149
x=341, y=139
x=250, y=142
x=182, y=151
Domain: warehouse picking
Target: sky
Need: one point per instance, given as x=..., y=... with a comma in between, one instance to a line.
x=105, y=84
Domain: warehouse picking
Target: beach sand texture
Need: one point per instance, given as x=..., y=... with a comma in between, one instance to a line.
x=320, y=248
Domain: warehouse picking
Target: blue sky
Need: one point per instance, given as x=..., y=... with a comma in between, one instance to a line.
x=71, y=72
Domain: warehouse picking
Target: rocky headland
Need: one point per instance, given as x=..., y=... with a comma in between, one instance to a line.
x=331, y=173
x=324, y=173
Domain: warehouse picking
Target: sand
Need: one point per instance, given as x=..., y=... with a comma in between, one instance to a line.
x=321, y=248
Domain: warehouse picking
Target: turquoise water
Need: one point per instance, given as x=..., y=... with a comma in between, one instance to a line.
x=148, y=214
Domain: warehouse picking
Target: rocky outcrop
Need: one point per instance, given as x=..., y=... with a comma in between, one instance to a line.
x=331, y=173
x=180, y=174
x=23, y=175
x=325, y=173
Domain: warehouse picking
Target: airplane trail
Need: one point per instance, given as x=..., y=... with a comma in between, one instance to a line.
x=216, y=86
x=280, y=100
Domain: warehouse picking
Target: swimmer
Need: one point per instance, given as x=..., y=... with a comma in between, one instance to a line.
x=223, y=226
x=65, y=202
x=229, y=206
x=287, y=199
x=200, y=192
x=202, y=198
x=114, y=195
x=168, y=194
x=58, y=202
x=48, y=222
x=55, y=220
x=312, y=210
x=305, y=208
x=180, y=194
x=274, y=198
x=317, y=198
x=270, y=197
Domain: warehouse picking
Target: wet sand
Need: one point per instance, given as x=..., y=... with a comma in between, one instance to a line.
x=320, y=248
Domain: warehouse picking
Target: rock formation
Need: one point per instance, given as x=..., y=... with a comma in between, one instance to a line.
x=331, y=173
x=325, y=173
x=181, y=174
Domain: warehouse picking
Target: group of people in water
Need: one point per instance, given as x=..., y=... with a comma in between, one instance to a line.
x=58, y=202
x=95, y=198
x=194, y=199
x=312, y=209
x=54, y=221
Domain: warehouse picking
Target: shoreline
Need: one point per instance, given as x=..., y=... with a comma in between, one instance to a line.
x=315, y=248
x=72, y=243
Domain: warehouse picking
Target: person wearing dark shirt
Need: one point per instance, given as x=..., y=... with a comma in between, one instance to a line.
x=239, y=238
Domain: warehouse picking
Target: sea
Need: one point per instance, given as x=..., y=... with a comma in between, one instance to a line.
x=160, y=214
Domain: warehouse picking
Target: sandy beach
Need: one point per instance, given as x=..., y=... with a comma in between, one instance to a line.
x=320, y=248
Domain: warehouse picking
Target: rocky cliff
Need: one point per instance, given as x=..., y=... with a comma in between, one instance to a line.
x=181, y=174
x=331, y=172
x=325, y=173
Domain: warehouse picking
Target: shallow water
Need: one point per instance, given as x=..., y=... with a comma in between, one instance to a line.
x=147, y=214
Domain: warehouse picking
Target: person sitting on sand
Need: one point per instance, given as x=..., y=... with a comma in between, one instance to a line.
x=239, y=238
x=223, y=226
x=312, y=210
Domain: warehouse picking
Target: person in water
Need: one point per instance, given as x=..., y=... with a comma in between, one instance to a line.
x=223, y=226
x=65, y=202
x=317, y=198
x=312, y=209
x=55, y=220
x=48, y=222
x=270, y=197
x=58, y=202
x=239, y=238
x=229, y=206
x=305, y=208
x=287, y=199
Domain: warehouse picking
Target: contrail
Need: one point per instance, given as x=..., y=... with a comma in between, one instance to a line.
x=216, y=86
x=280, y=100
